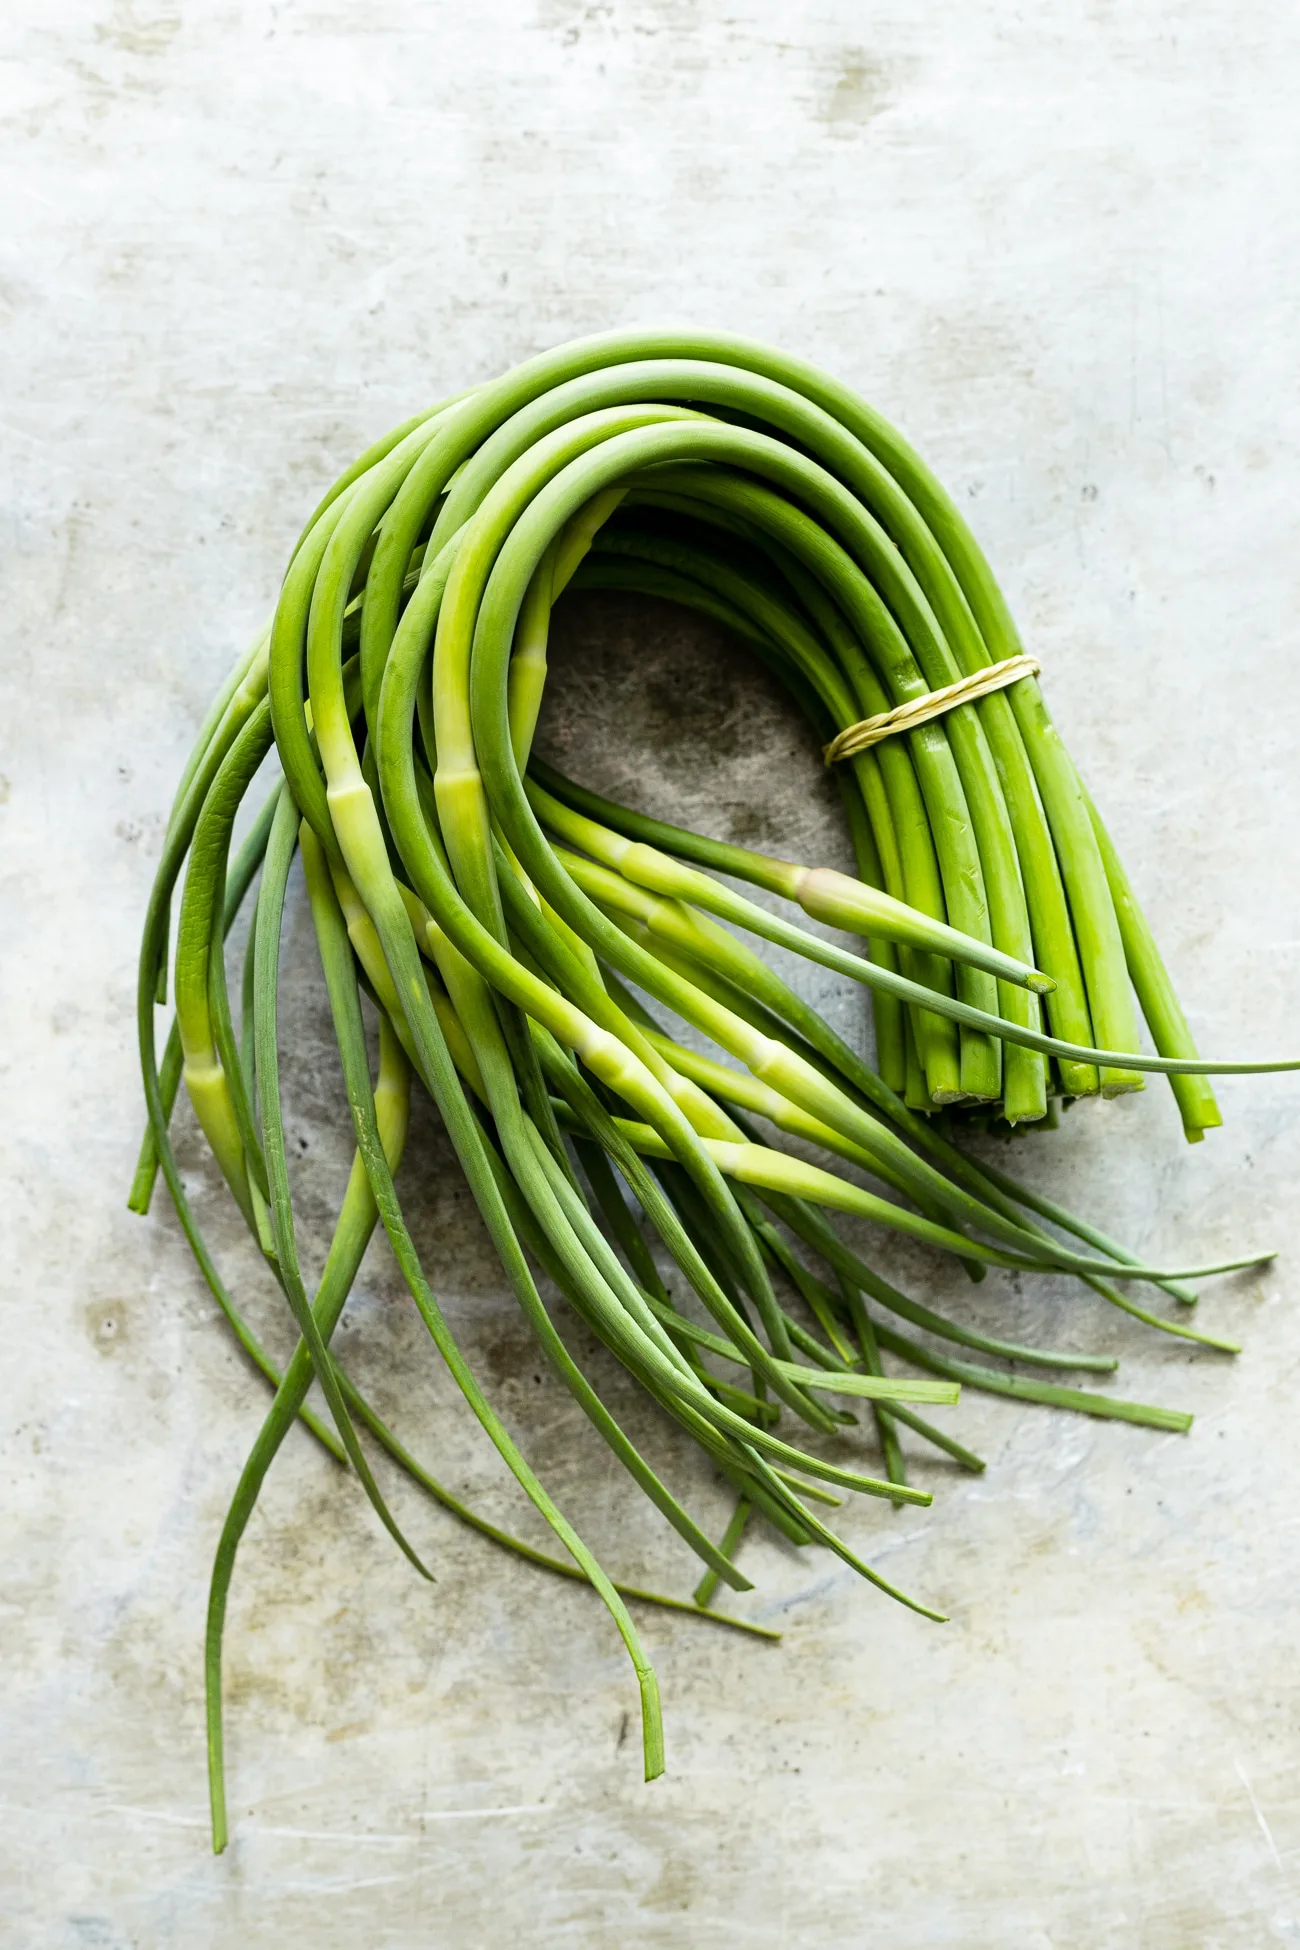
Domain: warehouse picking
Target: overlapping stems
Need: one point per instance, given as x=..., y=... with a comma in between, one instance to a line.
x=500, y=927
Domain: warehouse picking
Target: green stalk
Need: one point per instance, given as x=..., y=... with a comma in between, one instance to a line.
x=336, y=958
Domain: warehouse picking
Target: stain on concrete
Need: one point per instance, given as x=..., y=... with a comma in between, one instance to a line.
x=861, y=87
x=108, y=1325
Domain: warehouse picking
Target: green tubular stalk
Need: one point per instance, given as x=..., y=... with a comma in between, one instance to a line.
x=1047, y=1208
x=817, y=1532
x=516, y=1546
x=348, y=804
x=698, y=1109
x=649, y=852
x=543, y=1203
x=658, y=873
x=237, y=676
x=683, y=942
x=525, y=833
x=899, y=823
x=1109, y=1293
x=153, y=946
x=852, y=1273
x=954, y=742
x=240, y=689
x=745, y=1093
x=230, y=1058
x=875, y=831
x=599, y=1174
x=711, y=1421
x=781, y=407
x=694, y=380
x=942, y=788
x=1082, y=870
x=811, y=1225
x=576, y=981
x=808, y=1289
x=886, y=1011
x=776, y=1171
x=886, y=1426
x=239, y=878
x=730, y=1544
x=821, y=1299
x=297, y=621
x=336, y=957
x=352, y=1232
x=1155, y=991
x=841, y=1380
x=910, y=1310
x=813, y=1092
x=350, y=807
x=686, y=1399
x=611, y=1060
x=275, y=876
x=590, y=1116
x=955, y=830
x=752, y=1439
x=587, y=1297
x=207, y=1080
x=1021, y=1388
x=1101, y=949
x=377, y=452
x=713, y=1444
x=998, y=1181
x=785, y=1078
x=684, y=1193
x=1054, y=777
x=742, y=1091
x=939, y=1439
x=247, y=1054
x=993, y=797
x=937, y=517
x=983, y=1180
x=1043, y=892
x=238, y=698
x=597, y=470
x=528, y=665
x=1012, y=1032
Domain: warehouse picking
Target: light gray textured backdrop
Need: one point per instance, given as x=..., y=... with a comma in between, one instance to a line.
x=1060, y=245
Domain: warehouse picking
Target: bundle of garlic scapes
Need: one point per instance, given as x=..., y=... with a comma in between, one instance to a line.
x=515, y=934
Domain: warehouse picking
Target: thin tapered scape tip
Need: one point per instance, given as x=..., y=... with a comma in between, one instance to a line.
x=1040, y=984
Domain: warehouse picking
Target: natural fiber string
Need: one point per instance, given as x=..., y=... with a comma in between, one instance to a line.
x=919, y=710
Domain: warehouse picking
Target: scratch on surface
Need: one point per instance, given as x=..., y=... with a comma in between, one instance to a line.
x=408, y=1841
x=343, y=1885
x=411, y=1839
x=1259, y=1813
x=153, y=1814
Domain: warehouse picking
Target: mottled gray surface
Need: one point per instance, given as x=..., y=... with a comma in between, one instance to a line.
x=1059, y=245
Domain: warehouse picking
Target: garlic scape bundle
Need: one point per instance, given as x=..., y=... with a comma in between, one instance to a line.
x=531, y=950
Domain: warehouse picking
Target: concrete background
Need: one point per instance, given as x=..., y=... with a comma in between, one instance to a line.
x=1059, y=246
